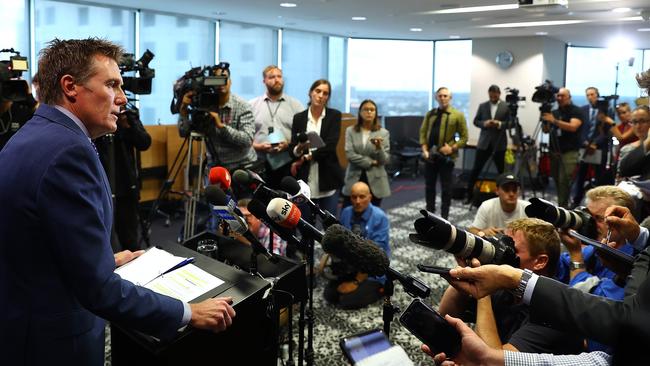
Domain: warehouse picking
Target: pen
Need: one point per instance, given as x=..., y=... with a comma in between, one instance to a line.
x=609, y=235
x=185, y=262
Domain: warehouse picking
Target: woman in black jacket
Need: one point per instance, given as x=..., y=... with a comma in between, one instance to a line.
x=319, y=167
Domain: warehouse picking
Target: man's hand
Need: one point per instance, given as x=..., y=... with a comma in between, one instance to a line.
x=213, y=314
x=303, y=147
x=573, y=245
x=548, y=117
x=473, y=350
x=484, y=280
x=283, y=145
x=492, y=231
x=425, y=154
x=446, y=150
x=623, y=224
x=217, y=120
x=126, y=256
x=187, y=100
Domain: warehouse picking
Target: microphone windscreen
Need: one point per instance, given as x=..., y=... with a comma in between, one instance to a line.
x=220, y=176
x=283, y=212
x=216, y=196
x=302, y=137
x=290, y=185
x=241, y=177
x=365, y=255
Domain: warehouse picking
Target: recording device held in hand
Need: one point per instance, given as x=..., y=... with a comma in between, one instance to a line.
x=602, y=104
x=545, y=94
x=140, y=84
x=578, y=219
x=431, y=328
x=12, y=88
x=435, y=232
x=205, y=83
x=436, y=157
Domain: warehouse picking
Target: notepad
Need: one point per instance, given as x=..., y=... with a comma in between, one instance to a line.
x=150, y=265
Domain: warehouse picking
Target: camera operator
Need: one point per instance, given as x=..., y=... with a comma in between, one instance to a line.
x=563, y=125
x=15, y=113
x=492, y=118
x=232, y=125
x=594, y=139
x=501, y=321
x=439, y=148
x=120, y=156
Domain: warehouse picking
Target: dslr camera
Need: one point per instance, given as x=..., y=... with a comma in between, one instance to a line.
x=140, y=84
x=578, y=219
x=12, y=88
x=205, y=84
x=545, y=94
x=435, y=232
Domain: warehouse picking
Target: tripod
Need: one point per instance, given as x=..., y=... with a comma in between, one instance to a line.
x=525, y=150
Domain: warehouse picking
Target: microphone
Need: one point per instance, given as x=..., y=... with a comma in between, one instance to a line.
x=257, y=184
x=300, y=193
x=221, y=177
x=258, y=209
x=365, y=255
x=287, y=215
x=227, y=210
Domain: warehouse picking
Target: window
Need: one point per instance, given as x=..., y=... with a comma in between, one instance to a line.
x=182, y=45
x=249, y=49
x=337, y=72
x=598, y=67
x=13, y=18
x=453, y=69
x=395, y=74
x=92, y=21
x=300, y=72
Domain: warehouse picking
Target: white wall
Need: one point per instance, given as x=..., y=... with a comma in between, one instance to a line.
x=535, y=59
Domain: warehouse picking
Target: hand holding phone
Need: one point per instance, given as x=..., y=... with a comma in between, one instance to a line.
x=431, y=328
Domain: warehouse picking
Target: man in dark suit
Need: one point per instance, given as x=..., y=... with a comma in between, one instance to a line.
x=493, y=118
x=57, y=280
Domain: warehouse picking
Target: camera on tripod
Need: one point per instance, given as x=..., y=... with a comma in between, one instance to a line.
x=513, y=98
x=140, y=84
x=12, y=88
x=545, y=94
x=204, y=83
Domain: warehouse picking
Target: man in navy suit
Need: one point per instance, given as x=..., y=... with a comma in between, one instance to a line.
x=57, y=280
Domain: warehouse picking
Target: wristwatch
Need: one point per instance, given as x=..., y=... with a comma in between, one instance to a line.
x=523, y=282
x=577, y=265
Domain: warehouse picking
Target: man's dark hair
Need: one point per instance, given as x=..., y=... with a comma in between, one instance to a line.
x=494, y=88
x=594, y=89
x=74, y=57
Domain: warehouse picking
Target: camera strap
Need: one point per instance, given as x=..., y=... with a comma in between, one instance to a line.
x=274, y=113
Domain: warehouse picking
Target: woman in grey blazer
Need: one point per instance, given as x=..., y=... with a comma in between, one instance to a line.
x=367, y=147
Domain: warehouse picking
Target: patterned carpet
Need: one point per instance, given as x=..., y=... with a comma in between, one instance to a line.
x=331, y=323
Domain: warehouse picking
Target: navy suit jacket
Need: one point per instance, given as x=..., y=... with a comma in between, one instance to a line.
x=56, y=264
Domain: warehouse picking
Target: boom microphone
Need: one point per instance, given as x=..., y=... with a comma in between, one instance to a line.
x=227, y=210
x=300, y=193
x=366, y=256
x=286, y=214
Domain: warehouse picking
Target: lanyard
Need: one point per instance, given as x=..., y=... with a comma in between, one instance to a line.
x=273, y=114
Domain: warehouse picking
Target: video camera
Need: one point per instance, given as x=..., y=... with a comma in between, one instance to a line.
x=578, y=219
x=545, y=94
x=140, y=84
x=12, y=88
x=602, y=104
x=204, y=83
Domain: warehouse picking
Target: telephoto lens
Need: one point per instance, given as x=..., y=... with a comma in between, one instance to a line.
x=578, y=219
x=435, y=232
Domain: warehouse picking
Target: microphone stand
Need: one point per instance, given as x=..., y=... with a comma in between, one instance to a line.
x=412, y=286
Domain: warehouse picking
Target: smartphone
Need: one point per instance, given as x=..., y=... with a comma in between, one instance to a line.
x=362, y=345
x=434, y=269
x=431, y=328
